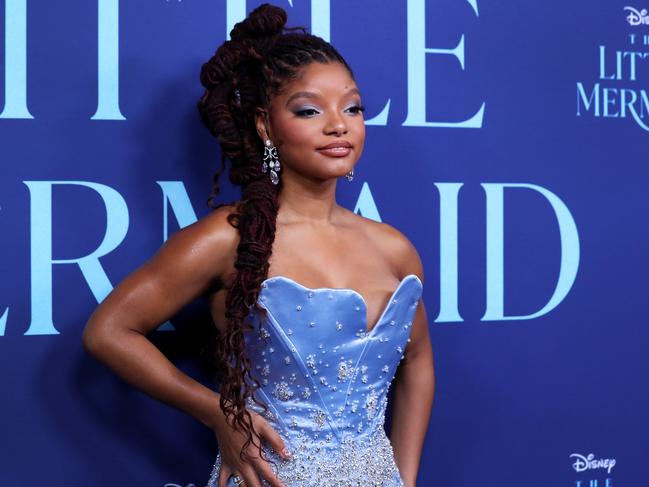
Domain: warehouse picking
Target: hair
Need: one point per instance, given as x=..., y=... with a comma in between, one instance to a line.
x=245, y=73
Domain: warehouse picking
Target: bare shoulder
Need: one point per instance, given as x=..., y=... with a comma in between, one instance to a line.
x=397, y=248
x=205, y=248
x=192, y=262
x=214, y=227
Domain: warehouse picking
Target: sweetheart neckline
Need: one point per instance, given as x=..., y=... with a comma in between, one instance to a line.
x=353, y=291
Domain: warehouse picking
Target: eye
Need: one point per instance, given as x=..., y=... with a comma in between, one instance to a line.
x=307, y=112
x=357, y=108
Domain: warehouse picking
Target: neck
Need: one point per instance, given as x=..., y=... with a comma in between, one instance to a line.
x=307, y=201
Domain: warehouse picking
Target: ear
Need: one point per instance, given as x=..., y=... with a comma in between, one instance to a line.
x=261, y=122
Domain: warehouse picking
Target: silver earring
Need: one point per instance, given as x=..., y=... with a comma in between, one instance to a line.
x=350, y=175
x=271, y=160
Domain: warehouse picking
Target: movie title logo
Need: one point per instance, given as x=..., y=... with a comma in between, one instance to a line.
x=637, y=17
x=589, y=462
x=619, y=91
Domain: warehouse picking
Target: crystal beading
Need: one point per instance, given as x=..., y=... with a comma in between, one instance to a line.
x=325, y=379
x=356, y=462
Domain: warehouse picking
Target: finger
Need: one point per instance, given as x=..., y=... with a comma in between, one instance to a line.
x=224, y=475
x=274, y=440
x=249, y=475
x=266, y=472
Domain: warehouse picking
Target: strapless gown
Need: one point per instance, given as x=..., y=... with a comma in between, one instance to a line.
x=325, y=380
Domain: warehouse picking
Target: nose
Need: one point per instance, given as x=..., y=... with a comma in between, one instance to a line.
x=336, y=124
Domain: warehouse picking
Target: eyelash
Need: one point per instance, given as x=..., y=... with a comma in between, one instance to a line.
x=300, y=113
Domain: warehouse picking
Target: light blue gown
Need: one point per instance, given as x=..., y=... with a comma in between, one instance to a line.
x=325, y=380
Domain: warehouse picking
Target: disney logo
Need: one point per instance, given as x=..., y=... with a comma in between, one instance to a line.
x=589, y=462
x=637, y=17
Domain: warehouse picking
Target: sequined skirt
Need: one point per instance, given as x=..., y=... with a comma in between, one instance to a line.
x=366, y=461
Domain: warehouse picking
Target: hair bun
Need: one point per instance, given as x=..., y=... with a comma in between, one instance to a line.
x=265, y=21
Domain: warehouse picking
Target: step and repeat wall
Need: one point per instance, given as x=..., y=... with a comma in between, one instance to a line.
x=508, y=140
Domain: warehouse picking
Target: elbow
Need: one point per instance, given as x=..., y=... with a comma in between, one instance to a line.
x=101, y=338
x=92, y=338
x=89, y=339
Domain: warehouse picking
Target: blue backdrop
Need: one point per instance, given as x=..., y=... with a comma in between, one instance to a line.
x=507, y=140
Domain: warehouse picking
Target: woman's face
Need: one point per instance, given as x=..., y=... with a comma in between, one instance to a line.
x=322, y=106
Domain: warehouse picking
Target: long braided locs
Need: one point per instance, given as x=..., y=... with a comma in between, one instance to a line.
x=245, y=72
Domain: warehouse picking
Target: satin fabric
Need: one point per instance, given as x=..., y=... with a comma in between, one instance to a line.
x=324, y=376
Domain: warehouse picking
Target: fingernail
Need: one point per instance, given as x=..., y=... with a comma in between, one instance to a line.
x=286, y=453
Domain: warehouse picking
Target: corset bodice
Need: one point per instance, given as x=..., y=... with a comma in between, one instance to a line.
x=324, y=377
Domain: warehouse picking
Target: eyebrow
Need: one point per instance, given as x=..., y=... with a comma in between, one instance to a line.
x=310, y=94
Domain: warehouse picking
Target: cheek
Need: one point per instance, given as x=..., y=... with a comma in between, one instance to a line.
x=361, y=130
x=297, y=137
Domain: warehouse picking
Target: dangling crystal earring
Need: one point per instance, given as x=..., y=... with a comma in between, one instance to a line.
x=271, y=160
x=350, y=175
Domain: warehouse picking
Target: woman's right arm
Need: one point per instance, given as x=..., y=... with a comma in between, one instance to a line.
x=188, y=263
x=191, y=262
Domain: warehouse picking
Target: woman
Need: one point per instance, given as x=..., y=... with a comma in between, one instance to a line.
x=306, y=360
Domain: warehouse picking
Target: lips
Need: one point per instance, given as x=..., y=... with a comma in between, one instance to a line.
x=333, y=145
x=340, y=148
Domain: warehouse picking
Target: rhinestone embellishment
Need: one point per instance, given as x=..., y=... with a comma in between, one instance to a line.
x=326, y=383
x=283, y=391
x=367, y=461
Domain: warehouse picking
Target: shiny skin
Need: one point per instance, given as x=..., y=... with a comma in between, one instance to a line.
x=318, y=243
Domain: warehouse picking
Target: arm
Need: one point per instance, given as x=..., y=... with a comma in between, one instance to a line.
x=414, y=386
x=193, y=261
x=184, y=267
